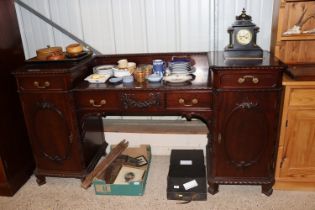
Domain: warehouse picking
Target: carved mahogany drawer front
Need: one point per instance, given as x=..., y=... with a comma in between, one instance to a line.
x=41, y=83
x=97, y=100
x=187, y=99
x=248, y=80
x=142, y=100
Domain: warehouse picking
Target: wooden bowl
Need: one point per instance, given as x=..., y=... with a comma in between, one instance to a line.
x=56, y=57
x=74, y=49
x=44, y=53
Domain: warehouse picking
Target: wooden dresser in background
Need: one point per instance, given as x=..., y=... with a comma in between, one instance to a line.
x=295, y=167
x=16, y=160
x=296, y=155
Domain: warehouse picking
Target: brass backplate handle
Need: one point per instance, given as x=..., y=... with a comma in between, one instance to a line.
x=241, y=80
x=192, y=102
x=102, y=102
x=45, y=85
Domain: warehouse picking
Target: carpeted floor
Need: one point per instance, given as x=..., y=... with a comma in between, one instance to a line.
x=61, y=193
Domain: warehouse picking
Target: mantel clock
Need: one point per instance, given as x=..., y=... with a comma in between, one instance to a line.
x=242, y=39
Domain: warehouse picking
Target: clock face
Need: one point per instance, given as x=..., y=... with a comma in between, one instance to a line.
x=244, y=36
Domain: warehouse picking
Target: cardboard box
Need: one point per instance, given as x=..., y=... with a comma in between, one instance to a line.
x=132, y=188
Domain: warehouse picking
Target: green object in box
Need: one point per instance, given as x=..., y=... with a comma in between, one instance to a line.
x=132, y=188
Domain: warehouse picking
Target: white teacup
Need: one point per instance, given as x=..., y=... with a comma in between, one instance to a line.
x=123, y=64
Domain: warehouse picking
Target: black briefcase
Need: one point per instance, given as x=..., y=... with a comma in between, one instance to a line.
x=186, y=179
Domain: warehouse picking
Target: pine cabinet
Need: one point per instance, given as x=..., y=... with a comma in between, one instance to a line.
x=294, y=43
x=296, y=155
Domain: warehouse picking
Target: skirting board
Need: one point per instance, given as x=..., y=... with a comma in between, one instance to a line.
x=161, y=144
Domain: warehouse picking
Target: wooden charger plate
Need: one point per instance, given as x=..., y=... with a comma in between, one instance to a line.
x=68, y=58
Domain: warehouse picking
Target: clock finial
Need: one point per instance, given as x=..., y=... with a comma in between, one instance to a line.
x=244, y=16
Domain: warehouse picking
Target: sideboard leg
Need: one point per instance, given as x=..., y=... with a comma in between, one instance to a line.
x=213, y=188
x=40, y=180
x=267, y=189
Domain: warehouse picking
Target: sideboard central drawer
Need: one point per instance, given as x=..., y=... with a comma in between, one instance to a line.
x=189, y=100
x=142, y=100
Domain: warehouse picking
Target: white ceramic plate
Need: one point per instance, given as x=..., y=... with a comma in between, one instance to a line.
x=178, y=78
x=97, y=78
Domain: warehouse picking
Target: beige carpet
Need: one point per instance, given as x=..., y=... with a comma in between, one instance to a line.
x=60, y=193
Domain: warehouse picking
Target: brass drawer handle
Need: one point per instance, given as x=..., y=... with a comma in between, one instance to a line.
x=219, y=138
x=46, y=84
x=193, y=102
x=241, y=80
x=102, y=102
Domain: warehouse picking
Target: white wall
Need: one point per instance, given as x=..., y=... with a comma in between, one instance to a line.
x=141, y=26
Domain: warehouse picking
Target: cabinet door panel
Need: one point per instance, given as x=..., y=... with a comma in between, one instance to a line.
x=299, y=151
x=52, y=133
x=47, y=131
x=246, y=133
x=243, y=134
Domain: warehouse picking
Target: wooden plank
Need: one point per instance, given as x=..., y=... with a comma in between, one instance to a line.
x=103, y=165
x=301, y=72
x=298, y=37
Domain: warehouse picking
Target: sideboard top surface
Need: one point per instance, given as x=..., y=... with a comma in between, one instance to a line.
x=202, y=77
x=217, y=60
x=202, y=62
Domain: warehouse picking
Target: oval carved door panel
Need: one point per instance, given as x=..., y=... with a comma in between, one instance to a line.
x=49, y=124
x=245, y=134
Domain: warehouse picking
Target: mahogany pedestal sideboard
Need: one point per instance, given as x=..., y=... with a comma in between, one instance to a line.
x=60, y=107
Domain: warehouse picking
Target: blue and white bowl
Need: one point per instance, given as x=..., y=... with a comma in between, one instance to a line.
x=154, y=78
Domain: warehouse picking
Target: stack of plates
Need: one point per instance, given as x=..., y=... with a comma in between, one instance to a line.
x=180, y=67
